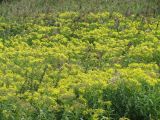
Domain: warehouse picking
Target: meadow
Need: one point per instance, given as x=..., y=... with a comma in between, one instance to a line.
x=71, y=65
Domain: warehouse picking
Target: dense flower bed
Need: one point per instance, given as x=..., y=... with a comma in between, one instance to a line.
x=72, y=66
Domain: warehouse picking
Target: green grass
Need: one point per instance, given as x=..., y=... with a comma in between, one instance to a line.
x=23, y=8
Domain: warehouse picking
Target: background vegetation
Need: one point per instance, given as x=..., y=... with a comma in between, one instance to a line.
x=19, y=8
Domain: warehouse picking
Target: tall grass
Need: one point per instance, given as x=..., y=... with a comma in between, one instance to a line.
x=23, y=8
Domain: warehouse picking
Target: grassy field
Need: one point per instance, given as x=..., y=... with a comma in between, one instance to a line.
x=23, y=8
x=80, y=60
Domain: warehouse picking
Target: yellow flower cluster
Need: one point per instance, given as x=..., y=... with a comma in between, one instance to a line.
x=74, y=66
